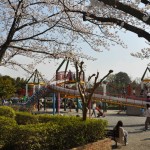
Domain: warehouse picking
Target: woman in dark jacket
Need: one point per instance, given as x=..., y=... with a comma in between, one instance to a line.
x=121, y=132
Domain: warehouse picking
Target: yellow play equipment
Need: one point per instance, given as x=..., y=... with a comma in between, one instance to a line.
x=146, y=77
x=35, y=81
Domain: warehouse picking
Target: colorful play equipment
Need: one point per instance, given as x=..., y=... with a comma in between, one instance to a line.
x=145, y=80
x=67, y=76
x=69, y=92
x=35, y=81
x=63, y=86
x=64, y=79
x=67, y=79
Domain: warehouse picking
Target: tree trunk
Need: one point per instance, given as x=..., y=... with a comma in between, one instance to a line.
x=85, y=109
x=2, y=52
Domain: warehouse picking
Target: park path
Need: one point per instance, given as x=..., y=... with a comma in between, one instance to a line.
x=138, y=139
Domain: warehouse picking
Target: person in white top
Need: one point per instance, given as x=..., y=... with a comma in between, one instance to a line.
x=147, y=115
x=94, y=109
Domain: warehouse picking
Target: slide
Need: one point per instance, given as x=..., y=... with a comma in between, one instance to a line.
x=70, y=92
x=37, y=95
x=109, y=99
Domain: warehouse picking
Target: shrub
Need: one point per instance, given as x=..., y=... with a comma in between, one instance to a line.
x=23, y=118
x=7, y=111
x=57, y=119
x=15, y=107
x=6, y=127
x=59, y=133
x=44, y=118
x=32, y=137
x=79, y=132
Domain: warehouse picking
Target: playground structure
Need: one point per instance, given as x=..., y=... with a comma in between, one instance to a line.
x=62, y=78
x=36, y=81
x=145, y=82
x=63, y=85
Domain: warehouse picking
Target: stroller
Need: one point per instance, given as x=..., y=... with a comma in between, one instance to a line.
x=100, y=113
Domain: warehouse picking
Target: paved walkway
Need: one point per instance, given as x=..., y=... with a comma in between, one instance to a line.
x=138, y=139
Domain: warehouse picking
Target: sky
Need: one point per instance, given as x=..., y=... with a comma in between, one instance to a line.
x=117, y=59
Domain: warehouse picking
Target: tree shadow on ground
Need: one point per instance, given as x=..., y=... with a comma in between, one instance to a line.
x=116, y=147
x=145, y=139
x=133, y=125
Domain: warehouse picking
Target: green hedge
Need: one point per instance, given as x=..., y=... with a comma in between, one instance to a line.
x=62, y=133
x=6, y=127
x=7, y=111
x=57, y=118
x=36, y=132
x=32, y=137
x=15, y=107
x=23, y=118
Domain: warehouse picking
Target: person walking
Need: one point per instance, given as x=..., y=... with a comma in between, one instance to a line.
x=147, y=115
x=71, y=104
x=94, y=109
x=70, y=75
x=3, y=101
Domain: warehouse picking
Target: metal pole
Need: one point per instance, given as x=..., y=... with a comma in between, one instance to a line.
x=58, y=106
x=44, y=104
x=54, y=99
x=90, y=108
x=65, y=101
x=38, y=101
x=26, y=90
x=104, y=93
x=77, y=101
x=39, y=86
x=33, y=88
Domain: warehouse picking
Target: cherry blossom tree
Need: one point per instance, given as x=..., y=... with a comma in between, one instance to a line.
x=125, y=15
x=40, y=30
x=43, y=29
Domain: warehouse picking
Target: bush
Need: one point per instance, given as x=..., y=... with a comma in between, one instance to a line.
x=15, y=107
x=60, y=132
x=7, y=112
x=57, y=119
x=80, y=132
x=6, y=127
x=44, y=118
x=23, y=118
x=32, y=137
